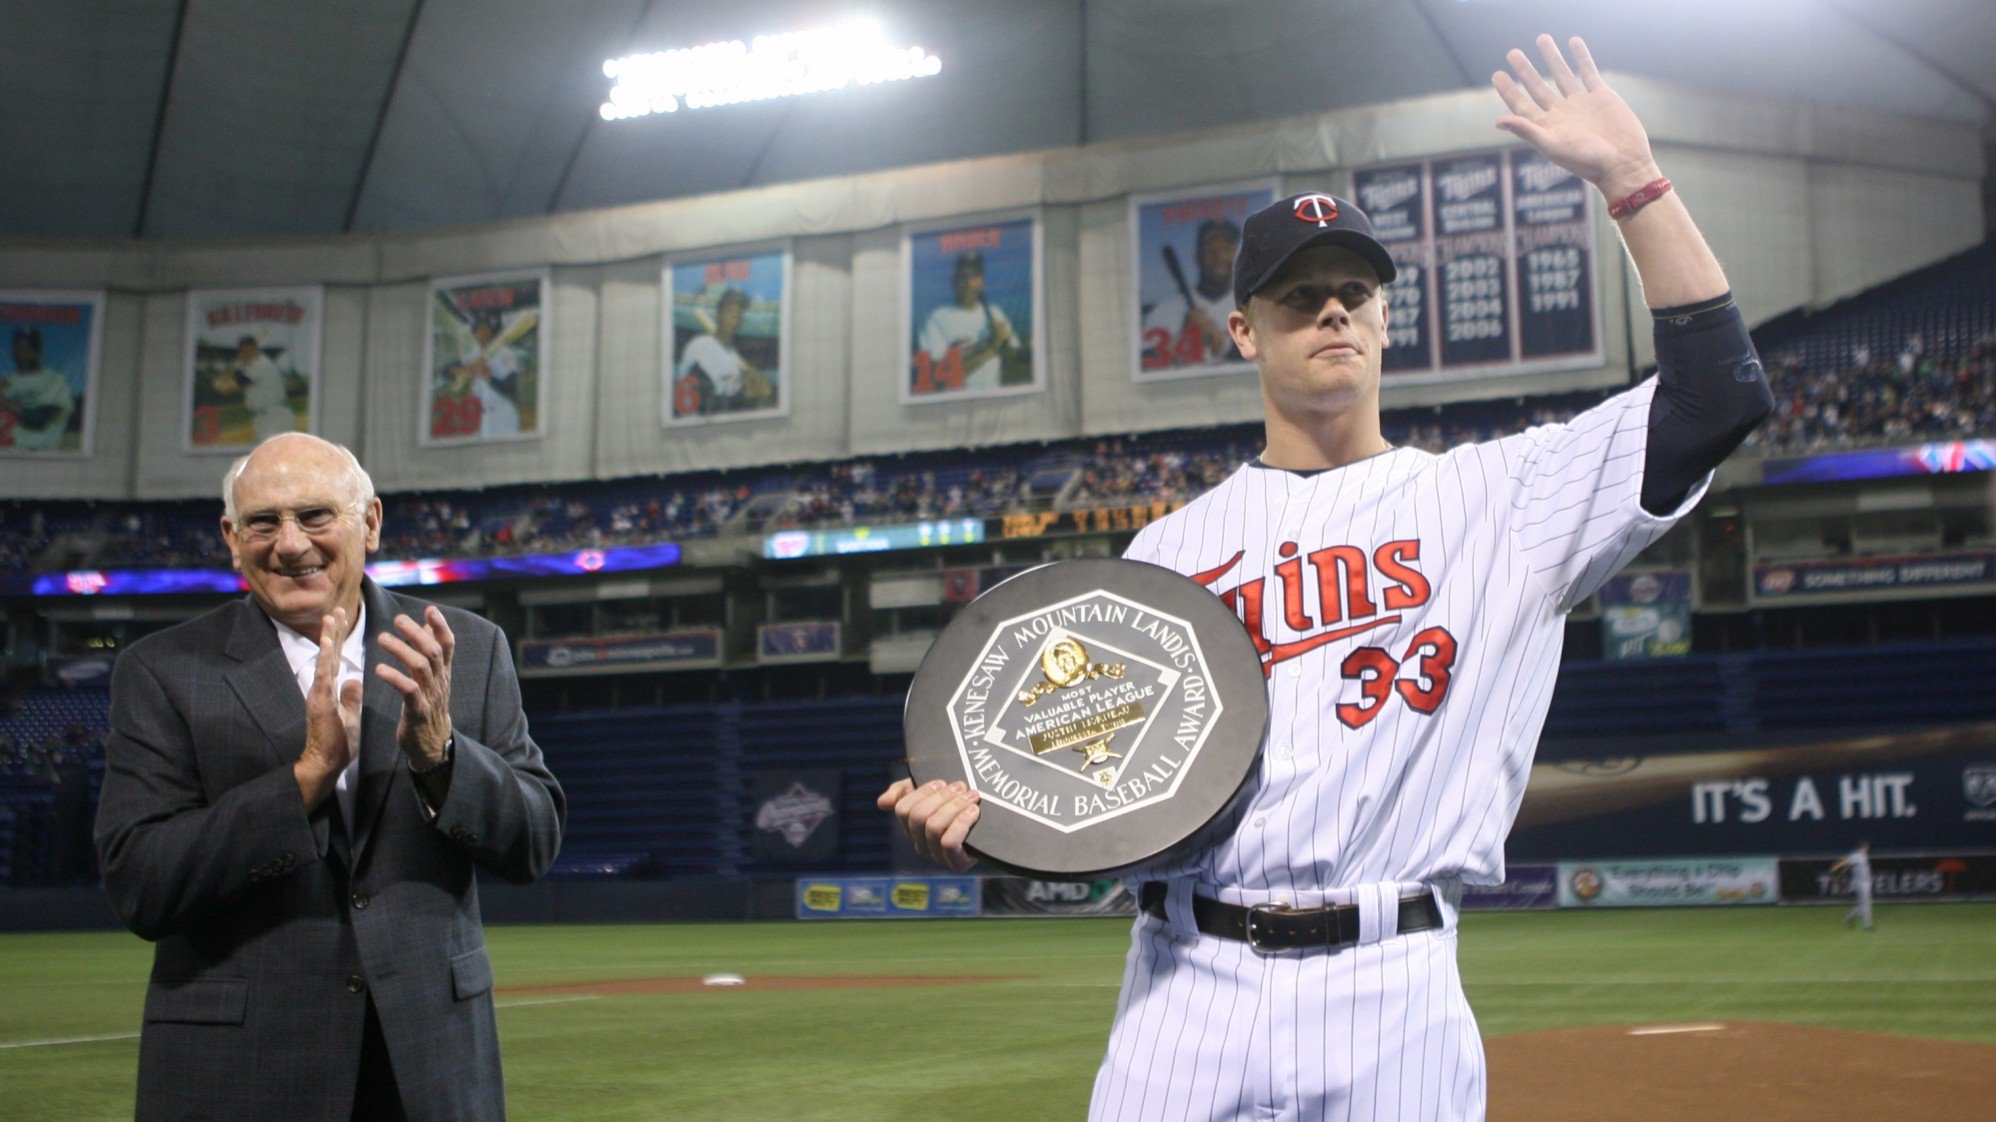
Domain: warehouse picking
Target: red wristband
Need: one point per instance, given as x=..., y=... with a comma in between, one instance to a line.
x=1639, y=198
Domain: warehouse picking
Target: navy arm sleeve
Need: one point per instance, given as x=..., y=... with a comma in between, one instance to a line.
x=1710, y=393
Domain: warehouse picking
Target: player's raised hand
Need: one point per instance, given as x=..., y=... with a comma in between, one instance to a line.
x=1574, y=119
x=936, y=817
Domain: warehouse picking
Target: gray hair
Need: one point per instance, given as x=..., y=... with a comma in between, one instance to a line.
x=353, y=476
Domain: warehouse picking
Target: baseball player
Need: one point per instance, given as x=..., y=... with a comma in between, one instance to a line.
x=494, y=377
x=263, y=389
x=712, y=376
x=969, y=332
x=1189, y=327
x=1858, y=861
x=1298, y=961
x=39, y=398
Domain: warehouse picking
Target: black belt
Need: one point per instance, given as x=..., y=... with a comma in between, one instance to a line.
x=1274, y=927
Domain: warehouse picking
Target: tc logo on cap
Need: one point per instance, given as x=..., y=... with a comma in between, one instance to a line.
x=1315, y=208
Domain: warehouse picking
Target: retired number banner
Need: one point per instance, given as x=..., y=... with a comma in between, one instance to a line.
x=485, y=357
x=252, y=366
x=48, y=375
x=1497, y=262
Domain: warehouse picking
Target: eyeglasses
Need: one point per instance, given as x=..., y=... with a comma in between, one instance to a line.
x=265, y=525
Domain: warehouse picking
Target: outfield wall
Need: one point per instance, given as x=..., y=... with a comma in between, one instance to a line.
x=1581, y=885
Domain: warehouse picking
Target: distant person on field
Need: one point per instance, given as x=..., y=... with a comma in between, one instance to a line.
x=1858, y=861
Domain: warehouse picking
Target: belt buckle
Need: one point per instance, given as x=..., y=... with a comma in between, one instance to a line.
x=1253, y=938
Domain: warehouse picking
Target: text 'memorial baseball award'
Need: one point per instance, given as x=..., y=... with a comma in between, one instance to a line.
x=1104, y=711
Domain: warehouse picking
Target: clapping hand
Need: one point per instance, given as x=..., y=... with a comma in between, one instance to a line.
x=424, y=683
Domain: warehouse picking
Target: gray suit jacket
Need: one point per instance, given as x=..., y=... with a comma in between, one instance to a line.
x=273, y=927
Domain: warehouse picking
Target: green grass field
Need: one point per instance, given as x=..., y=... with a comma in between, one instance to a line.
x=1025, y=1047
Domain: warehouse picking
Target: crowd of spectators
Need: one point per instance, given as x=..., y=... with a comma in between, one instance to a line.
x=1120, y=470
x=23, y=534
x=45, y=760
x=1906, y=397
x=859, y=491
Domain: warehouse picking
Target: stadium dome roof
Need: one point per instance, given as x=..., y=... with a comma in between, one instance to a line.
x=168, y=119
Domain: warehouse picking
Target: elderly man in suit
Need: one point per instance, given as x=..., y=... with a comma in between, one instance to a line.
x=300, y=785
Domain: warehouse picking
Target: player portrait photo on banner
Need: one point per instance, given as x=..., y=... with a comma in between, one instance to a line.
x=252, y=366
x=1182, y=264
x=482, y=357
x=972, y=296
x=727, y=332
x=48, y=373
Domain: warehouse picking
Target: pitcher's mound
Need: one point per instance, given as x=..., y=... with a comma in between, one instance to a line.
x=1746, y=1070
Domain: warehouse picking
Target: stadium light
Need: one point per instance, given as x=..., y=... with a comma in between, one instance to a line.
x=771, y=66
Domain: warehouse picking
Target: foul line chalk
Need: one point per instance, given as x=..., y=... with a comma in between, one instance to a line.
x=69, y=1040
x=1659, y=1030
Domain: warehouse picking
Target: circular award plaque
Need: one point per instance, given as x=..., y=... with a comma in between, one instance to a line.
x=1104, y=711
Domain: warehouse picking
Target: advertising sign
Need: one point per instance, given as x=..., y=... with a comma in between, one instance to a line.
x=887, y=897
x=1021, y=896
x=1646, y=884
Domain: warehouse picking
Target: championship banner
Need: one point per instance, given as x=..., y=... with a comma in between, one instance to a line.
x=1646, y=614
x=1497, y=266
x=1473, y=296
x=727, y=325
x=484, y=356
x=1946, y=876
x=796, y=817
x=48, y=375
x=1022, y=896
x=813, y=641
x=1182, y=261
x=887, y=897
x=252, y=366
x=1905, y=789
x=1658, y=884
x=972, y=295
x=1861, y=576
x=1395, y=199
x=1525, y=886
x=1553, y=244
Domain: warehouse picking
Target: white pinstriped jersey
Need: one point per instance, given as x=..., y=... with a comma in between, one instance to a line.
x=1410, y=612
x=1409, y=609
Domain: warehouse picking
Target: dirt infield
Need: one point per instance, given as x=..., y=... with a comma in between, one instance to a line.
x=1737, y=1070
x=694, y=983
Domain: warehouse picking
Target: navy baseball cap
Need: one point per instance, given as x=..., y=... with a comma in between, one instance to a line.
x=1286, y=227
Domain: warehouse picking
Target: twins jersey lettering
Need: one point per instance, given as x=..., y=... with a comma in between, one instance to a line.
x=1409, y=611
